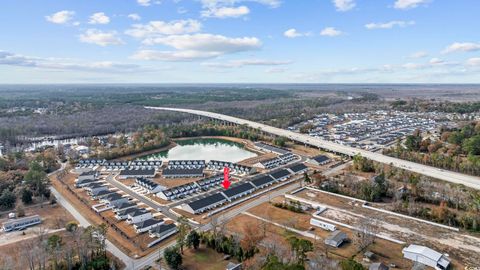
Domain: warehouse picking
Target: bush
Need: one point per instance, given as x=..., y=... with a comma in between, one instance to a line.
x=292, y=206
x=350, y=264
x=173, y=257
x=27, y=196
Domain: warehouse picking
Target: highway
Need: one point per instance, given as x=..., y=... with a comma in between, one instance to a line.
x=445, y=175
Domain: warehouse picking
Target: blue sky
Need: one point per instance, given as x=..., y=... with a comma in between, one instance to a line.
x=239, y=41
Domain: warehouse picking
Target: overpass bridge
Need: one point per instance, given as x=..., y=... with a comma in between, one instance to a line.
x=445, y=175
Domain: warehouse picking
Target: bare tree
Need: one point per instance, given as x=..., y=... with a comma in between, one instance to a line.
x=367, y=231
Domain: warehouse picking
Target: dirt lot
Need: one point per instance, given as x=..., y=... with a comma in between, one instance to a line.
x=304, y=151
x=301, y=222
x=54, y=219
x=462, y=247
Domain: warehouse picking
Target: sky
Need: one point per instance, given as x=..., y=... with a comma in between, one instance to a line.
x=239, y=41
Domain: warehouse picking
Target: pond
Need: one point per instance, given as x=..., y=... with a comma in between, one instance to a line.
x=205, y=149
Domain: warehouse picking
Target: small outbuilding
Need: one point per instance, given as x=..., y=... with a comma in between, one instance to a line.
x=336, y=238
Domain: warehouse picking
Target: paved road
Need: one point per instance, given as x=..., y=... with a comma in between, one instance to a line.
x=82, y=221
x=449, y=176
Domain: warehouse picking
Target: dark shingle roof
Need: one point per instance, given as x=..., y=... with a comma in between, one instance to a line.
x=321, y=158
x=212, y=199
x=297, y=167
x=125, y=205
x=139, y=212
x=192, y=171
x=113, y=196
x=163, y=228
x=238, y=189
x=262, y=180
x=137, y=172
x=127, y=211
x=89, y=173
x=280, y=173
x=147, y=223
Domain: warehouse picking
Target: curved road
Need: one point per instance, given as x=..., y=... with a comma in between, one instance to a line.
x=449, y=176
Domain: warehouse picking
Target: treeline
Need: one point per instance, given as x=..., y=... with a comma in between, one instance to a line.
x=25, y=178
x=78, y=248
x=456, y=149
x=146, y=139
x=429, y=106
x=212, y=129
x=88, y=122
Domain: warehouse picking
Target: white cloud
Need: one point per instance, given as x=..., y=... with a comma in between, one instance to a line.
x=293, y=33
x=12, y=59
x=246, y=62
x=419, y=54
x=158, y=28
x=226, y=12
x=437, y=62
x=101, y=38
x=223, y=3
x=99, y=18
x=462, y=47
x=228, y=8
x=344, y=5
x=208, y=42
x=144, y=3
x=197, y=46
x=134, y=17
x=61, y=17
x=389, y=25
x=331, y=32
x=473, y=61
x=276, y=70
x=408, y=4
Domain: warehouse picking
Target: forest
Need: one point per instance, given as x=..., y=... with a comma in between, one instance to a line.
x=455, y=149
x=64, y=111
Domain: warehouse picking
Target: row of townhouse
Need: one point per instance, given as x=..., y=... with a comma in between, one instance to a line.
x=137, y=173
x=183, y=172
x=270, y=148
x=148, y=185
x=187, y=189
x=277, y=161
x=178, y=192
x=235, y=168
x=89, y=163
x=185, y=163
x=319, y=160
x=242, y=189
x=133, y=165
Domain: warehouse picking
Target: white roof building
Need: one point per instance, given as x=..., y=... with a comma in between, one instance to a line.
x=426, y=256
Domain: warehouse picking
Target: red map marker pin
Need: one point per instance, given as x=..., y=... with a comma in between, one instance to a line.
x=226, y=182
